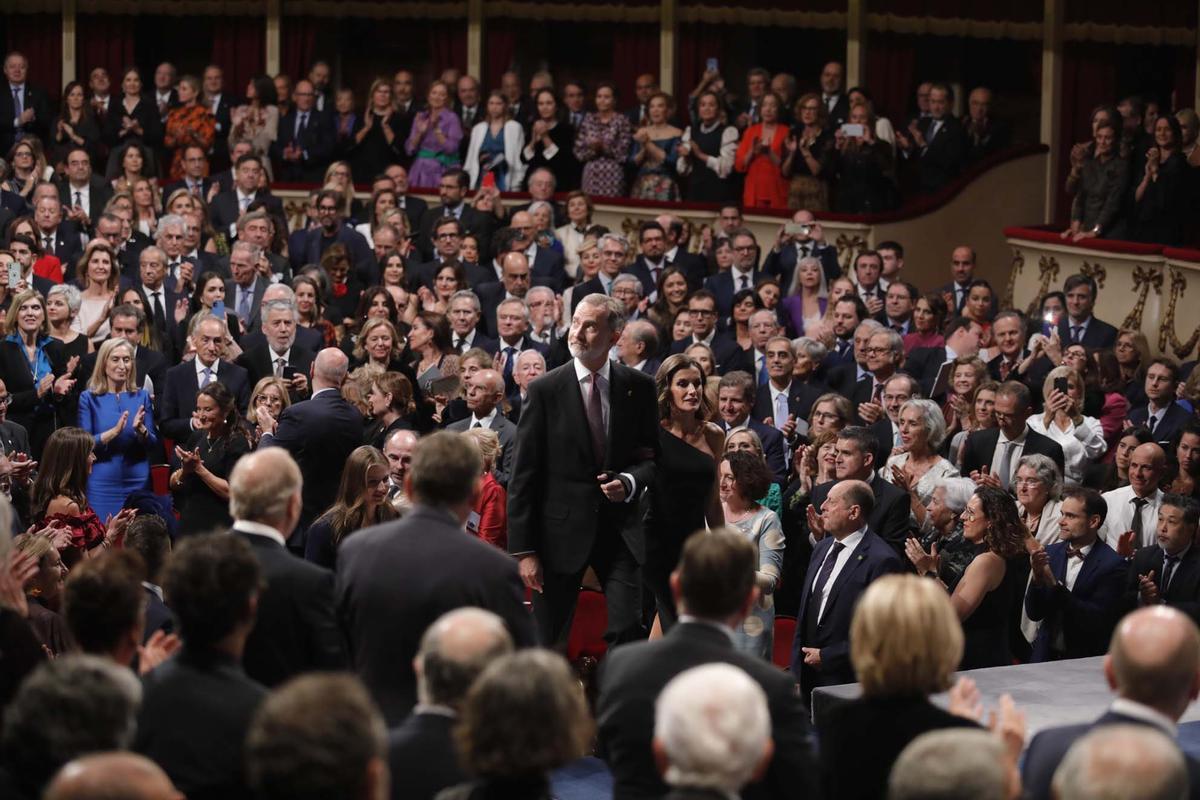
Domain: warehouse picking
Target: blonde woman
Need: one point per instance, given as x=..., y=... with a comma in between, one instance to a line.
x=489, y=517
x=1081, y=437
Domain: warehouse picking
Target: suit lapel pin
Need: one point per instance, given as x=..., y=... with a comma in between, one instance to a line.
x=860, y=558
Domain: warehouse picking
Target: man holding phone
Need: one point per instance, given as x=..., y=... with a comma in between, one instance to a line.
x=279, y=356
x=800, y=238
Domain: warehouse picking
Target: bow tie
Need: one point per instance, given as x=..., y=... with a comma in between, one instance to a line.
x=1075, y=553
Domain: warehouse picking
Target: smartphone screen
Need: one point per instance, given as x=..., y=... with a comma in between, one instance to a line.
x=218, y=309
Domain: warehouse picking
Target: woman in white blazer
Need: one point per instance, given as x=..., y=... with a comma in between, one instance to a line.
x=496, y=145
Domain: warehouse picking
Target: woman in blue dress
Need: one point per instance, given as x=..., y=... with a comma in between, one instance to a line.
x=495, y=148
x=120, y=418
x=655, y=152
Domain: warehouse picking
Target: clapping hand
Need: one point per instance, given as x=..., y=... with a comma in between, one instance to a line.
x=965, y=700
x=1148, y=589
x=116, y=429
x=157, y=649
x=1126, y=544
x=982, y=478
x=815, y=523
x=116, y=525
x=1039, y=567
x=870, y=412
x=15, y=574
x=924, y=562
x=139, y=422
x=188, y=459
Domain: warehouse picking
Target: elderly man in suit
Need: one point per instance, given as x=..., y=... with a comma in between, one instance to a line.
x=1153, y=667
x=638, y=345
x=714, y=590
x=454, y=651
x=990, y=455
x=82, y=193
x=297, y=629
x=545, y=265
x=305, y=141
x=245, y=292
x=24, y=109
x=1132, y=516
x=586, y=447
x=845, y=561
x=58, y=237
x=484, y=394
x=279, y=356
x=178, y=397
x=1077, y=583
x=427, y=564
x=320, y=433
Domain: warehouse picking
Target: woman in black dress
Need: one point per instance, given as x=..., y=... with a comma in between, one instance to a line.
x=134, y=116
x=378, y=136
x=684, y=496
x=550, y=143
x=202, y=484
x=987, y=596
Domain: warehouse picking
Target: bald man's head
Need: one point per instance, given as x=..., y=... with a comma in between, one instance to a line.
x=105, y=776
x=454, y=650
x=265, y=486
x=1154, y=659
x=330, y=368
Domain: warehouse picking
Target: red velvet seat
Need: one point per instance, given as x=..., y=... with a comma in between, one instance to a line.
x=785, y=632
x=587, y=629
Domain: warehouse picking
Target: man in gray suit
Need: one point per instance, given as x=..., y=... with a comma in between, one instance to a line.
x=485, y=393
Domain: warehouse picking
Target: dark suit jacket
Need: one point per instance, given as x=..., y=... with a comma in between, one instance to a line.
x=582, y=290
x=507, y=432
x=256, y=294
x=309, y=339
x=259, y=363
x=68, y=247
x=555, y=507
x=923, y=364
x=483, y=342
x=97, y=193
x=170, y=189
x=872, y=558
x=775, y=447
x=981, y=446
x=1048, y=748
x=421, y=753
x=34, y=98
x=224, y=210
x=320, y=434
x=309, y=251
x=426, y=564
x=694, y=268
x=296, y=630
x=177, y=399
x=1168, y=428
x=721, y=285
x=158, y=616
x=843, y=377
x=890, y=517
x=1098, y=334
x=316, y=144
x=942, y=158
x=475, y=222
x=783, y=264
x=547, y=270
x=196, y=709
x=632, y=677
x=1184, y=591
x=14, y=437
x=726, y=351
x=1086, y=614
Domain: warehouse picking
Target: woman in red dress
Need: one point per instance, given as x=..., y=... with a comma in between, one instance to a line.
x=760, y=155
x=188, y=124
x=489, y=517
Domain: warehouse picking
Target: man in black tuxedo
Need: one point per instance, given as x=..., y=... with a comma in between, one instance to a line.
x=833, y=94
x=484, y=392
x=545, y=265
x=197, y=706
x=991, y=454
x=637, y=347
x=1168, y=573
x=586, y=447
x=735, y=399
x=56, y=236
x=81, y=193
x=465, y=315
x=714, y=591
x=228, y=206
x=320, y=433
x=279, y=355
x=856, y=448
x=414, y=207
x=936, y=142
x=807, y=242
x=847, y=558
x=924, y=363
x=178, y=396
x=1076, y=584
x=1009, y=335
x=1161, y=415
x=1078, y=326
x=195, y=175
x=427, y=564
x=729, y=356
x=297, y=629
x=305, y=142
x=24, y=109
x=454, y=651
x=1153, y=666
x=743, y=274
x=452, y=190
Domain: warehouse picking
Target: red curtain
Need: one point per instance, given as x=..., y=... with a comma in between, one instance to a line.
x=891, y=75
x=1089, y=80
x=697, y=43
x=239, y=46
x=103, y=40
x=299, y=44
x=635, y=52
x=499, y=50
x=447, y=45
x=39, y=38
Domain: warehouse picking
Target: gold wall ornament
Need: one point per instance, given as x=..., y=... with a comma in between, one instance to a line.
x=1048, y=273
x=1018, y=266
x=1096, y=272
x=1166, y=331
x=848, y=247
x=1143, y=279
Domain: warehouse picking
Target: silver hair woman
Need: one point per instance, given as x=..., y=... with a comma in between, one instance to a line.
x=919, y=468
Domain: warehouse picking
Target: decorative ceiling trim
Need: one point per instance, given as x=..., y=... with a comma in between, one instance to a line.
x=763, y=17
x=571, y=12
x=967, y=28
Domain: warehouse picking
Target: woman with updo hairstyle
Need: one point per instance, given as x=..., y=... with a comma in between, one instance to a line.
x=219, y=440
x=361, y=502
x=684, y=497
x=390, y=396
x=920, y=468
x=44, y=593
x=489, y=520
x=905, y=643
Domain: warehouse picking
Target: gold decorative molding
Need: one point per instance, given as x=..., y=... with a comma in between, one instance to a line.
x=956, y=26
x=1143, y=279
x=1047, y=273
x=848, y=247
x=1096, y=272
x=1018, y=266
x=571, y=12
x=1166, y=331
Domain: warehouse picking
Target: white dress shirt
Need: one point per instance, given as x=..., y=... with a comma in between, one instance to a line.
x=1018, y=449
x=584, y=377
x=1120, y=517
x=483, y=422
x=259, y=529
x=843, y=558
x=737, y=276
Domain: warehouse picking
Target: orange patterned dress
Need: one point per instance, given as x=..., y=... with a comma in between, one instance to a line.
x=188, y=126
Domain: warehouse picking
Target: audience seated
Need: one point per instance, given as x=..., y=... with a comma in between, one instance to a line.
x=955, y=765
x=115, y=774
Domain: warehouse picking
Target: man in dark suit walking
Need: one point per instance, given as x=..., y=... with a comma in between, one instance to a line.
x=586, y=447
x=454, y=651
x=856, y=448
x=991, y=455
x=1153, y=666
x=1168, y=572
x=1077, y=583
x=843, y=564
x=714, y=590
x=297, y=630
x=320, y=433
x=185, y=379
x=427, y=565
x=1078, y=326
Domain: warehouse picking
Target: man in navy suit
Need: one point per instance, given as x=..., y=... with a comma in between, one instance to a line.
x=743, y=274
x=1077, y=583
x=320, y=433
x=1153, y=666
x=735, y=398
x=310, y=339
x=220, y=104
x=245, y=292
x=24, y=109
x=305, y=140
x=465, y=313
x=856, y=447
x=789, y=248
x=178, y=397
x=845, y=561
x=782, y=400
x=545, y=265
x=1161, y=414
x=702, y=308
x=228, y=206
x=843, y=376
x=484, y=392
x=513, y=285
x=1078, y=326
x=613, y=248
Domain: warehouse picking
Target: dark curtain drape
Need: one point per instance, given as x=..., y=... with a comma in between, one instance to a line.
x=891, y=75
x=103, y=40
x=635, y=51
x=39, y=37
x=1089, y=80
x=239, y=46
x=697, y=43
x=447, y=44
x=298, y=44
x=499, y=49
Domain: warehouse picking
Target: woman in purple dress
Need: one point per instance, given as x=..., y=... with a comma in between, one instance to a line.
x=602, y=146
x=434, y=140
